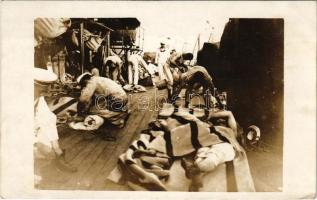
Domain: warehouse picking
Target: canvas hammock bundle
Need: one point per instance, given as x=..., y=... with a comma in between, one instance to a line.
x=93, y=42
x=148, y=160
x=51, y=27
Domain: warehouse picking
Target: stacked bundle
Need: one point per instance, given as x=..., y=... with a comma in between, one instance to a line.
x=145, y=165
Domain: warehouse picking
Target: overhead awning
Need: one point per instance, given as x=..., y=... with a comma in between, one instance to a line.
x=120, y=23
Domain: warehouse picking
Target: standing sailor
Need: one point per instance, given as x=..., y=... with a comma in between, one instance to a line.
x=161, y=56
x=138, y=69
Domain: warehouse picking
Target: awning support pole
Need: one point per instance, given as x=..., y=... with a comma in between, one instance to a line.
x=82, y=47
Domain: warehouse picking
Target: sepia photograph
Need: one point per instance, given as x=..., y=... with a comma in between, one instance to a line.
x=137, y=99
x=122, y=105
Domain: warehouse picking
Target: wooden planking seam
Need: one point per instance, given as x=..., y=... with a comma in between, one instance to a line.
x=115, y=154
x=92, y=171
x=76, y=148
x=88, y=163
x=97, y=163
x=147, y=115
x=85, y=149
x=99, y=181
x=66, y=142
x=71, y=140
x=81, y=156
x=72, y=154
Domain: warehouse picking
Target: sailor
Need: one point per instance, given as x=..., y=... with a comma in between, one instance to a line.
x=95, y=71
x=138, y=69
x=173, y=51
x=175, y=63
x=46, y=135
x=161, y=57
x=113, y=69
x=103, y=97
x=195, y=77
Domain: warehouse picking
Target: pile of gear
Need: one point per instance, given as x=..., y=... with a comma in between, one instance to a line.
x=174, y=135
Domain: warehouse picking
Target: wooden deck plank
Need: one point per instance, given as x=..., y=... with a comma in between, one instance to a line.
x=77, y=161
x=95, y=167
x=93, y=156
x=85, y=151
x=97, y=162
x=75, y=138
x=102, y=159
x=76, y=148
x=51, y=177
x=85, y=165
x=99, y=182
x=70, y=140
x=92, y=153
x=63, y=134
x=141, y=124
x=73, y=156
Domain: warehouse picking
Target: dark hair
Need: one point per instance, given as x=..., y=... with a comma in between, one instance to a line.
x=188, y=56
x=109, y=63
x=83, y=81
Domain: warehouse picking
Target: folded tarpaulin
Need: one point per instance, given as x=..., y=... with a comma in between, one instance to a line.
x=51, y=27
x=147, y=161
x=184, y=133
x=142, y=166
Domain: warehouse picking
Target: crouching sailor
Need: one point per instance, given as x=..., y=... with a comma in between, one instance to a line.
x=195, y=77
x=103, y=97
